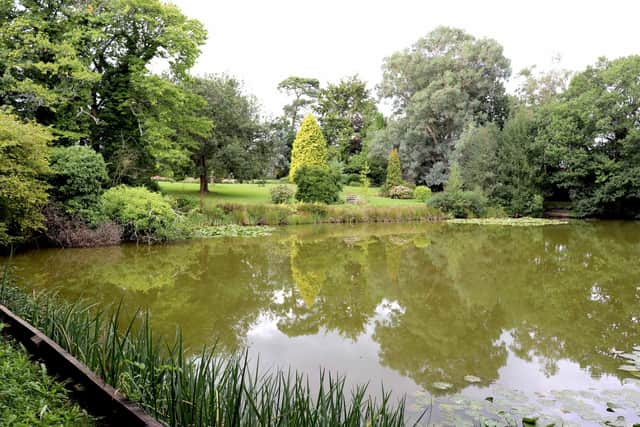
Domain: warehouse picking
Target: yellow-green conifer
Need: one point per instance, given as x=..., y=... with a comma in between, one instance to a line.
x=309, y=147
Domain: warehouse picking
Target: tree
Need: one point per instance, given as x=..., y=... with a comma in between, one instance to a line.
x=519, y=166
x=81, y=67
x=304, y=91
x=233, y=146
x=394, y=171
x=475, y=153
x=590, y=139
x=309, y=147
x=540, y=88
x=445, y=80
x=24, y=155
x=345, y=111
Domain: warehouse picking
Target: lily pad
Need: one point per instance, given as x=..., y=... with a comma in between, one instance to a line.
x=472, y=379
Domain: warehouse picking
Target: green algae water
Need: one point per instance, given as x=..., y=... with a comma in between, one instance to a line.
x=474, y=324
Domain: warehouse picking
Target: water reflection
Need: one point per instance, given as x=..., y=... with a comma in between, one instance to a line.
x=424, y=303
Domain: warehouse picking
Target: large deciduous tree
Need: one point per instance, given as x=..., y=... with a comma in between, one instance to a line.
x=442, y=82
x=346, y=111
x=81, y=66
x=236, y=145
x=591, y=139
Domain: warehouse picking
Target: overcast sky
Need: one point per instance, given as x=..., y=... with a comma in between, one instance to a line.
x=263, y=42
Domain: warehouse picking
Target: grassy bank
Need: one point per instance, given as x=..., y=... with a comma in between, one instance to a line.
x=29, y=397
x=211, y=389
x=250, y=204
x=259, y=194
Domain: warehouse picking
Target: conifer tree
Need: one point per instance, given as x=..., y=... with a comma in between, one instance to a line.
x=309, y=147
x=394, y=171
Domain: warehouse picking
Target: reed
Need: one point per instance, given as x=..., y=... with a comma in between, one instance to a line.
x=209, y=389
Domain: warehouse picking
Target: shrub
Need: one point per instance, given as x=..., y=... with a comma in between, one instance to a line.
x=422, y=193
x=143, y=215
x=281, y=194
x=69, y=232
x=309, y=148
x=186, y=204
x=317, y=184
x=460, y=204
x=78, y=175
x=400, y=192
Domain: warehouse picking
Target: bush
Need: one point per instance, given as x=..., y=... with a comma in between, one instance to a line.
x=186, y=204
x=78, y=175
x=69, y=232
x=317, y=184
x=143, y=215
x=400, y=192
x=422, y=193
x=281, y=194
x=460, y=204
x=24, y=153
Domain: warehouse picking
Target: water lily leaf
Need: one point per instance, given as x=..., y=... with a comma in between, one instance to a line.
x=629, y=368
x=489, y=399
x=472, y=379
x=529, y=421
x=442, y=385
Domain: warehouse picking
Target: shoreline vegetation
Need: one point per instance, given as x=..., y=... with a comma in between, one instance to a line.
x=29, y=395
x=211, y=388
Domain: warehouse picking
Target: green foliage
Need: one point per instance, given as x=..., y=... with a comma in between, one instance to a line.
x=83, y=70
x=476, y=156
x=346, y=112
x=317, y=184
x=454, y=181
x=29, y=395
x=394, y=171
x=437, y=86
x=400, y=192
x=422, y=193
x=24, y=155
x=144, y=216
x=237, y=146
x=519, y=169
x=77, y=177
x=590, y=139
x=460, y=204
x=309, y=147
x=281, y=194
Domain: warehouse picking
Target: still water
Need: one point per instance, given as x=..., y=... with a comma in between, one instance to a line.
x=532, y=317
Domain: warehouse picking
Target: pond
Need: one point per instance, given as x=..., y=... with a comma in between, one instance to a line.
x=474, y=322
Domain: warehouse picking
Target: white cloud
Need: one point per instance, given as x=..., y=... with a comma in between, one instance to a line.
x=263, y=42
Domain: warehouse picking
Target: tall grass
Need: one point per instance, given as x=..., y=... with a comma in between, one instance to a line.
x=310, y=213
x=211, y=389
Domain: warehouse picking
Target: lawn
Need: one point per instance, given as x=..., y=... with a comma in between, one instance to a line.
x=259, y=194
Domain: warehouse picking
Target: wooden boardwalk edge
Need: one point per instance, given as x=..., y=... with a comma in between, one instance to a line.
x=89, y=390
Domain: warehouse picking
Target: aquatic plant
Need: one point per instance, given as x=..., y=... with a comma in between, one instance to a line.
x=210, y=389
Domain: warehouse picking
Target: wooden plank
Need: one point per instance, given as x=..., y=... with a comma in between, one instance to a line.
x=89, y=390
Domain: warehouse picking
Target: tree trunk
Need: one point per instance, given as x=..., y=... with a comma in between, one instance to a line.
x=204, y=183
x=204, y=176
